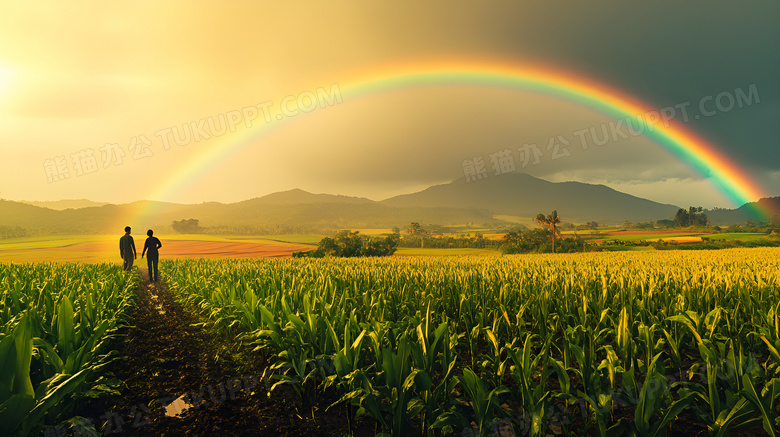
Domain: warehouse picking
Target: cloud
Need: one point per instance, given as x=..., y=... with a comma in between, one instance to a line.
x=112, y=73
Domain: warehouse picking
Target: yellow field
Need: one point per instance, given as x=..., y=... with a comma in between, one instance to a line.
x=105, y=248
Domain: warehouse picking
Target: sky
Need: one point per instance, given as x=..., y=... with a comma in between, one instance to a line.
x=93, y=94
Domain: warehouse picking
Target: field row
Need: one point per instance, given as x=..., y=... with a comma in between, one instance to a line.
x=581, y=344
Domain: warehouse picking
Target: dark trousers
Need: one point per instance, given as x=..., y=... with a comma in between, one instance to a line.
x=151, y=262
x=127, y=262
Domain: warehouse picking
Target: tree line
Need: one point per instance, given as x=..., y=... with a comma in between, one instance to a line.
x=193, y=226
x=548, y=238
x=348, y=244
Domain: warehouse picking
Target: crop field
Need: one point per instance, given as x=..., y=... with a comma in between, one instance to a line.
x=630, y=343
x=58, y=323
x=589, y=344
x=104, y=248
x=407, y=251
x=262, y=219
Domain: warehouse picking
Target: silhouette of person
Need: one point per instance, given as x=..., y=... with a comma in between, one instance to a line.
x=152, y=244
x=127, y=249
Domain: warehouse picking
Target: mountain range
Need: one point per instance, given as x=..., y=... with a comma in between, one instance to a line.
x=495, y=202
x=59, y=205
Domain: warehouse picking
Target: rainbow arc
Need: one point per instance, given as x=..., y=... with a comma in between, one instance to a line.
x=705, y=158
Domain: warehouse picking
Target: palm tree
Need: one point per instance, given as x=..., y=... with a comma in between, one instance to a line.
x=551, y=220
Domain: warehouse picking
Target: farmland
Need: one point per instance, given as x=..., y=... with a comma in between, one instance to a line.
x=642, y=343
x=424, y=345
x=103, y=248
x=58, y=323
x=393, y=219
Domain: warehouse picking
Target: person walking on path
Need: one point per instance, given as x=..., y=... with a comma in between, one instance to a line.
x=152, y=244
x=127, y=250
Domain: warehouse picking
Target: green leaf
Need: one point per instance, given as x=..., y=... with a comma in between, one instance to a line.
x=55, y=396
x=23, y=344
x=414, y=407
x=7, y=366
x=65, y=334
x=448, y=419
x=772, y=350
x=659, y=427
x=686, y=320
x=13, y=412
x=767, y=415
x=423, y=381
x=742, y=415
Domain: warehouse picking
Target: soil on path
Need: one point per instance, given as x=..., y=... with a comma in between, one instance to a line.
x=167, y=356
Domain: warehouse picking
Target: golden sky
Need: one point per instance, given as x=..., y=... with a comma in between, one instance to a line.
x=75, y=77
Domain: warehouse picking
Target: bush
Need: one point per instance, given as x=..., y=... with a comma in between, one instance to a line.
x=540, y=241
x=349, y=244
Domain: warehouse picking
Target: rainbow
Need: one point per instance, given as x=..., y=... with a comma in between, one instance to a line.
x=697, y=153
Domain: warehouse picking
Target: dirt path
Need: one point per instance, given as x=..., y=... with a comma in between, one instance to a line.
x=167, y=358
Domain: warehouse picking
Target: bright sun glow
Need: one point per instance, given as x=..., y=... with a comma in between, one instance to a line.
x=6, y=79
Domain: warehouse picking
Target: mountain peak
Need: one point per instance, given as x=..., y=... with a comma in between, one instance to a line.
x=297, y=196
x=523, y=195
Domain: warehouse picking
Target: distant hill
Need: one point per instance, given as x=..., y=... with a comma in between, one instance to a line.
x=299, y=197
x=522, y=195
x=511, y=196
x=21, y=214
x=59, y=205
x=294, y=209
x=744, y=213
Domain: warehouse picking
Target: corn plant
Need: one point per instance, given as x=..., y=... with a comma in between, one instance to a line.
x=483, y=401
x=764, y=402
x=534, y=397
x=59, y=322
x=655, y=410
x=719, y=402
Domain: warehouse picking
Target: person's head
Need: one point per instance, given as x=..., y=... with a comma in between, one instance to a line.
x=127, y=229
x=150, y=232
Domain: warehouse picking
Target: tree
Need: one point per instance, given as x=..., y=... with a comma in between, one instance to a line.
x=12, y=232
x=191, y=226
x=681, y=218
x=348, y=243
x=775, y=221
x=645, y=225
x=552, y=221
x=519, y=242
x=692, y=217
x=568, y=226
x=328, y=246
x=416, y=229
x=697, y=217
x=351, y=242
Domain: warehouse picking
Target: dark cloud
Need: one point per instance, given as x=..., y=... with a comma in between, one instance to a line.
x=667, y=53
x=663, y=53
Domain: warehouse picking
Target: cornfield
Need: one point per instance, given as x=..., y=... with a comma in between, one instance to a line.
x=439, y=345
x=581, y=344
x=57, y=326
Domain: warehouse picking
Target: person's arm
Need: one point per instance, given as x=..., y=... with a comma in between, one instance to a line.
x=132, y=243
x=146, y=244
x=121, y=251
x=159, y=244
